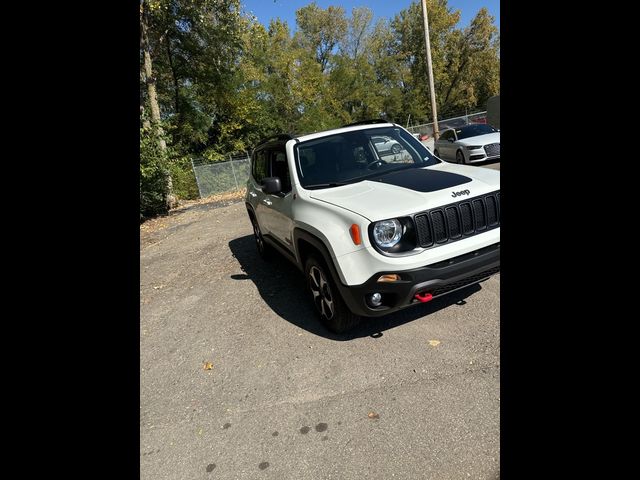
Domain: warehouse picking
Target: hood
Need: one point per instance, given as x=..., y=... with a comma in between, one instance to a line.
x=410, y=191
x=481, y=139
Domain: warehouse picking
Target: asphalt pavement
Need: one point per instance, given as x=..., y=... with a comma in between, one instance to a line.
x=239, y=380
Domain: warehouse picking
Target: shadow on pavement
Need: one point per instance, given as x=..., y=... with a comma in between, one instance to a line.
x=282, y=286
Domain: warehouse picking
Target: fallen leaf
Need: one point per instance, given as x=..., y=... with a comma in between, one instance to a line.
x=208, y=365
x=373, y=415
x=434, y=343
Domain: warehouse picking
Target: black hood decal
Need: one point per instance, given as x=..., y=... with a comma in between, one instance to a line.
x=423, y=179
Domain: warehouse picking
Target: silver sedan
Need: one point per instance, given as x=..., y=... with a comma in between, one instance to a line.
x=469, y=144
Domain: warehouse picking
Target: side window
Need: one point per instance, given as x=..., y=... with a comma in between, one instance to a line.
x=259, y=167
x=280, y=168
x=446, y=135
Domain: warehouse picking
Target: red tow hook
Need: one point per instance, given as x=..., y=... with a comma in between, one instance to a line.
x=424, y=298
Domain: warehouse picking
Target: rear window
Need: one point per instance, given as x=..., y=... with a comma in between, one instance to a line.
x=259, y=167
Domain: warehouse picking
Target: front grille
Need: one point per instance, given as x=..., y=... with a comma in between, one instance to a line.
x=492, y=149
x=458, y=220
x=464, y=282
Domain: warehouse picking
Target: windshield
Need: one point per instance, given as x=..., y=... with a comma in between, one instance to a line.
x=474, y=130
x=355, y=156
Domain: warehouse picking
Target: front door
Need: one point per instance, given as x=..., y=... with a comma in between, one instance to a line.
x=279, y=218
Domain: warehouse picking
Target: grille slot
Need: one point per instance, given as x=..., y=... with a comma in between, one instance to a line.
x=453, y=220
x=467, y=218
x=439, y=229
x=492, y=211
x=478, y=211
x=423, y=230
x=458, y=220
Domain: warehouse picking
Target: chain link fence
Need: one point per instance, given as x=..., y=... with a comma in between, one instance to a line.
x=221, y=177
x=427, y=128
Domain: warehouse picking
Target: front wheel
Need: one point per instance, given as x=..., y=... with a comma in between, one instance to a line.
x=460, y=157
x=334, y=313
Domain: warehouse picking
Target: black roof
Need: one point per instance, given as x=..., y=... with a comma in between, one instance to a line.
x=280, y=137
x=283, y=137
x=366, y=122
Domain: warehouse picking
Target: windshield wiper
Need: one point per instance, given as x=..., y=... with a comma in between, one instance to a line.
x=324, y=185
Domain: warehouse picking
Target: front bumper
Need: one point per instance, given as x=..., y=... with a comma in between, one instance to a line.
x=436, y=279
x=482, y=154
x=473, y=157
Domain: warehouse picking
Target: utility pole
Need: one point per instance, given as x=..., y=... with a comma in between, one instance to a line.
x=432, y=93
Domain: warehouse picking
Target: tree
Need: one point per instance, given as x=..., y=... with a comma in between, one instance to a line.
x=465, y=62
x=320, y=31
x=150, y=81
x=353, y=78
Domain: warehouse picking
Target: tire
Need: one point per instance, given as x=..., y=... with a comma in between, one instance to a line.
x=395, y=148
x=334, y=313
x=460, y=157
x=264, y=250
x=436, y=153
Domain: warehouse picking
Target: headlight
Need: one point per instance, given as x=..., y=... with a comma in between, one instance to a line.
x=473, y=147
x=387, y=233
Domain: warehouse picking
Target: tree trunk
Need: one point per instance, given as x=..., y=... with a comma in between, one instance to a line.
x=145, y=122
x=153, y=100
x=176, y=83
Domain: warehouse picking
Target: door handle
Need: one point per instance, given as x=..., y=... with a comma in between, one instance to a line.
x=267, y=201
x=254, y=195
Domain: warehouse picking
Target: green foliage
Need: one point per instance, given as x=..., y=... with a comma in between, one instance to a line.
x=320, y=31
x=184, y=181
x=153, y=171
x=466, y=62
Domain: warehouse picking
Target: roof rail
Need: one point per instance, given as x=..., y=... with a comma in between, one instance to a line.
x=365, y=122
x=281, y=136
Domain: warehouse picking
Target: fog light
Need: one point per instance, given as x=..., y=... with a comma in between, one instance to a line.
x=375, y=299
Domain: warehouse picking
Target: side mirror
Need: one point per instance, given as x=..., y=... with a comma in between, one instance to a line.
x=450, y=139
x=271, y=185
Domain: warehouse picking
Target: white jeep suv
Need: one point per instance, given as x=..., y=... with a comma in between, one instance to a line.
x=372, y=233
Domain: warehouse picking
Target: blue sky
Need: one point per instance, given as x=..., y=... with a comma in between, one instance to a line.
x=265, y=10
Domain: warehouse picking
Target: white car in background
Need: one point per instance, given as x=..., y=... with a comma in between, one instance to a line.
x=386, y=145
x=469, y=144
